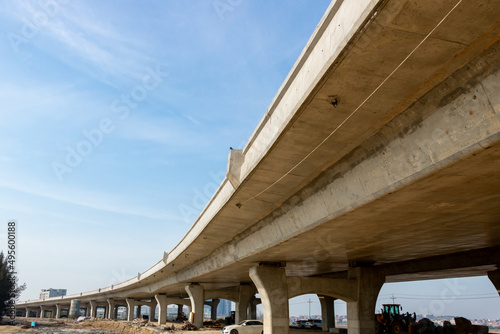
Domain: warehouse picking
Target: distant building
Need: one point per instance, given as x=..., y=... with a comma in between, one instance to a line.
x=224, y=308
x=49, y=293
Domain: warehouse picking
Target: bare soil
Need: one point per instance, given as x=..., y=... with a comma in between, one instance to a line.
x=97, y=326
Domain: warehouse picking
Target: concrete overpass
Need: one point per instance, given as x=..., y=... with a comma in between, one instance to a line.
x=377, y=161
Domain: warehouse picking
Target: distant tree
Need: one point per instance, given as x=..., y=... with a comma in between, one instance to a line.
x=9, y=290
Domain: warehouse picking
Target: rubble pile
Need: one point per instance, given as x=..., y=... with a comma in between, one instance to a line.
x=212, y=324
x=188, y=326
x=139, y=321
x=462, y=326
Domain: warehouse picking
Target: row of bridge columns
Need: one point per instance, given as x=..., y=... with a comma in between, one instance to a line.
x=359, y=289
x=110, y=310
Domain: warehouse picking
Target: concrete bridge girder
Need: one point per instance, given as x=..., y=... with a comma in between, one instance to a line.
x=405, y=156
x=400, y=159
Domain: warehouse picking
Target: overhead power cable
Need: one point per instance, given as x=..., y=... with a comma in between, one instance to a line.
x=355, y=110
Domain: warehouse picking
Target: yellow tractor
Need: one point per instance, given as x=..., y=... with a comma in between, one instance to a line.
x=392, y=321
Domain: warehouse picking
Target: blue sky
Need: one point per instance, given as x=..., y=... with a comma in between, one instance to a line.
x=117, y=118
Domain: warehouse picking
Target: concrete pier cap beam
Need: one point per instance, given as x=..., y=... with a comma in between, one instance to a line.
x=197, y=297
x=271, y=283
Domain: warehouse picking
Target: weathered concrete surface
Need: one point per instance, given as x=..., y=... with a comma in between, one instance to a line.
x=411, y=176
x=360, y=312
x=162, y=308
x=246, y=293
x=197, y=297
x=272, y=286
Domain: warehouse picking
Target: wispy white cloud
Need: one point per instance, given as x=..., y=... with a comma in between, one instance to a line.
x=19, y=100
x=164, y=131
x=90, y=200
x=88, y=42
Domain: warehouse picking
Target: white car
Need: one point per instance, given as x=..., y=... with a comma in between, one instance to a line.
x=245, y=327
x=314, y=324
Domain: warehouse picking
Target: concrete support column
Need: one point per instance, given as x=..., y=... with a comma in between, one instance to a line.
x=179, y=310
x=245, y=295
x=273, y=290
x=87, y=311
x=494, y=277
x=130, y=308
x=27, y=312
x=327, y=312
x=93, y=308
x=111, y=309
x=42, y=311
x=253, y=307
x=213, y=308
x=152, y=308
x=138, y=311
x=197, y=297
x=162, y=308
x=58, y=311
x=252, y=311
x=360, y=314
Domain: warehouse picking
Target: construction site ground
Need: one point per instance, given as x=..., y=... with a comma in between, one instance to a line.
x=98, y=326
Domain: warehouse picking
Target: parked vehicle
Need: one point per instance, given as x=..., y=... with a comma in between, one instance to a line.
x=392, y=321
x=245, y=327
x=301, y=323
x=314, y=324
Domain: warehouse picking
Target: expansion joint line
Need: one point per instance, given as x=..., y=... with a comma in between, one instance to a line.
x=239, y=205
